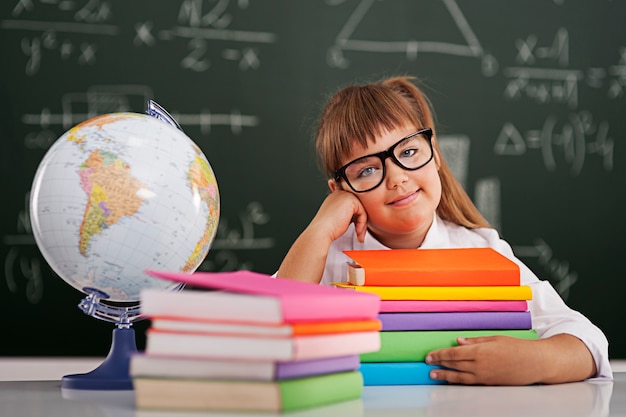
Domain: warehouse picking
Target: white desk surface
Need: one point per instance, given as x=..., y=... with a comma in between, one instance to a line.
x=45, y=398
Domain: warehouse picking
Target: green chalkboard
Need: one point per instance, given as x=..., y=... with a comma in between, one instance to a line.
x=530, y=100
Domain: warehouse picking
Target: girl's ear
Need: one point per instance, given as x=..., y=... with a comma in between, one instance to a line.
x=332, y=184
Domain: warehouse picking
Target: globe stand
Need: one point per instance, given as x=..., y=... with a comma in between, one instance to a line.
x=113, y=373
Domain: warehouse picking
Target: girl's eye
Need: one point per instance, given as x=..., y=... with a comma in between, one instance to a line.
x=407, y=153
x=366, y=172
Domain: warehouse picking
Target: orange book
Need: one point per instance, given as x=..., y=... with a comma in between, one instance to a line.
x=432, y=267
x=194, y=325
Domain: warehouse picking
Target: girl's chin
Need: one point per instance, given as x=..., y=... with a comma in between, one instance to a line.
x=400, y=230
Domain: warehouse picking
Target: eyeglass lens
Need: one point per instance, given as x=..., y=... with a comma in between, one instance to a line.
x=368, y=172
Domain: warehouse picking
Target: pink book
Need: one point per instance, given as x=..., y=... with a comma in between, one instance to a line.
x=403, y=306
x=254, y=297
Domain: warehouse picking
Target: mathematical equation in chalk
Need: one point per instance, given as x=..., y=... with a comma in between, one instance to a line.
x=74, y=39
x=559, y=272
x=77, y=107
x=568, y=141
x=543, y=74
x=79, y=29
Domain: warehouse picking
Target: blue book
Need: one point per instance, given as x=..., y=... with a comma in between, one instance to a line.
x=398, y=373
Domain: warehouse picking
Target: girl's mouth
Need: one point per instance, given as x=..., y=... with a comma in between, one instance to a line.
x=404, y=199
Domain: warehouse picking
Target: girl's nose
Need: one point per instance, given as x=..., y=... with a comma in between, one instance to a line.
x=395, y=175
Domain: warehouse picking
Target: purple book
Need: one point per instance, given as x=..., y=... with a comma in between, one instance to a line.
x=298, y=369
x=472, y=320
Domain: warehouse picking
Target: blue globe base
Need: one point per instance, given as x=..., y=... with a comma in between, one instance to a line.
x=113, y=373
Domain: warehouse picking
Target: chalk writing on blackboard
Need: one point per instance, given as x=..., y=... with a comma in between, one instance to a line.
x=228, y=237
x=22, y=267
x=543, y=84
x=89, y=20
x=229, y=240
x=75, y=32
x=202, y=27
x=469, y=46
x=543, y=74
x=617, y=83
x=569, y=141
x=22, y=272
x=559, y=272
x=101, y=99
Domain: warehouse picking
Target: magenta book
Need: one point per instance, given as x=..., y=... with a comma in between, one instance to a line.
x=396, y=306
x=293, y=300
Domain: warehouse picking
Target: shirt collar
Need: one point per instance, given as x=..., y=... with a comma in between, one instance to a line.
x=436, y=235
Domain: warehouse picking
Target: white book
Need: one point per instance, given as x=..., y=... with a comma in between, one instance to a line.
x=246, y=296
x=142, y=365
x=216, y=305
x=207, y=345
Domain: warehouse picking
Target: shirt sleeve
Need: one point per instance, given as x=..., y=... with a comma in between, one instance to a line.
x=551, y=316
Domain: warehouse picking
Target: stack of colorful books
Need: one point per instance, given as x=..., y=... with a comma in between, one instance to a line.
x=253, y=343
x=431, y=297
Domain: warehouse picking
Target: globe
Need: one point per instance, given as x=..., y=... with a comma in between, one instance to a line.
x=121, y=193
x=116, y=195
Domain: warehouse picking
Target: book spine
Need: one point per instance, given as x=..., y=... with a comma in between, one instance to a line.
x=260, y=348
x=439, y=278
x=332, y=327
x=478, y=320
x=398, y=306
x=323, y=346
x=300, y=369
x=300, y=307
x=320, y=390
x=522, y=292
x=413, y=346
x=253, y=396
x=398, y=373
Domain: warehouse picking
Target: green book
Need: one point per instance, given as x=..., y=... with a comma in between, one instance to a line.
x=246, y=395
x=413, y=346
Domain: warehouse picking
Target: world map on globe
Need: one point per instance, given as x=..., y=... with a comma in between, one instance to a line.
x=121, y=193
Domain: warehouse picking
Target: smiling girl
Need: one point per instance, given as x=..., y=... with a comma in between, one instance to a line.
x=391, y=189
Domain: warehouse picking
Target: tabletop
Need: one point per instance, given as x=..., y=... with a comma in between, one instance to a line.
x=588, y=398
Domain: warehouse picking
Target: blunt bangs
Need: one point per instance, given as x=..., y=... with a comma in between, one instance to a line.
x=359, y=115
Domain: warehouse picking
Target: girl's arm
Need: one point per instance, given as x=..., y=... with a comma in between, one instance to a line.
x=501, y=360
x=562, y=354
x=306, y=259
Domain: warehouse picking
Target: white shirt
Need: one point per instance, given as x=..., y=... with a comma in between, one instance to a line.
x=550, y=314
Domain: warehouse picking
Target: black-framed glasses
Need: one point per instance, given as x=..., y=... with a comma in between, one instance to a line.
x=411, y=152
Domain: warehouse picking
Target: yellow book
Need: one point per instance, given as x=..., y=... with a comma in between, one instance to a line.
x=521, y=292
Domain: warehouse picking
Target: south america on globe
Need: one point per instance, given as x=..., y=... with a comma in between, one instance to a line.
x=121, y=193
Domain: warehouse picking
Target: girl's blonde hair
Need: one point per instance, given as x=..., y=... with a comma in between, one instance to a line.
x=360, y=113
